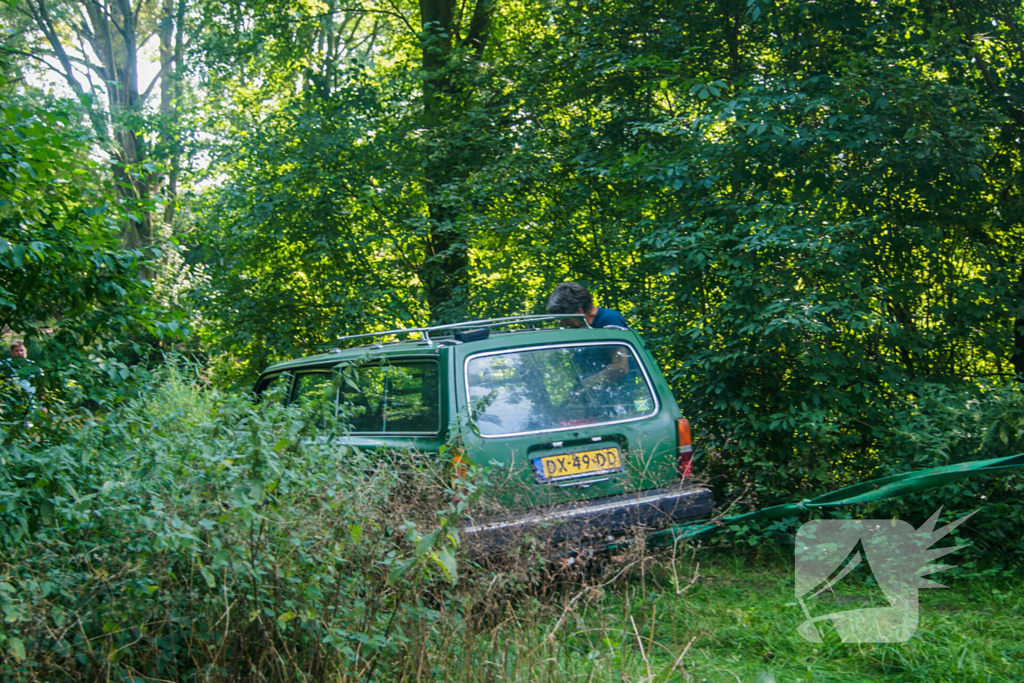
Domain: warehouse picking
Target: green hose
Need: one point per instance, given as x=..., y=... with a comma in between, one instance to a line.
x=865, y=492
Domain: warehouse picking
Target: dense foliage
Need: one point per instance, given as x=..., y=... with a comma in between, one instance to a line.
x=813, y=212
x=60, y=249
x=65, y=276
x=217, y=541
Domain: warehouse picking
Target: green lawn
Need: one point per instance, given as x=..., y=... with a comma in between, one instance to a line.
x=740, y=623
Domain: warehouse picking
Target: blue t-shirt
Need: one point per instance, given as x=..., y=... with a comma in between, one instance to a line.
x=606, y=317
x=594, y=359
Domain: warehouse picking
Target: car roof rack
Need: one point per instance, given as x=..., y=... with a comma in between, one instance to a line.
x=529, y=321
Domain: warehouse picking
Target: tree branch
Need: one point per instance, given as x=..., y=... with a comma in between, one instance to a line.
x=88, y=72
x=480, y=27
x=128, y=18
x=372, y=10
x=1016, y=114
x=113, y=21
x=50, y=53
x=42, y=18
x=457, y=23
x=145, y=40
x=350, y=39
x=370, y=39
x=164, y=70
x=398, y=11
x=31, y=55
x=149, y=89
x=103, y=46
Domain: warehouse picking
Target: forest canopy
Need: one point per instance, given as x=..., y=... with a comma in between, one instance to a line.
x=812, y=211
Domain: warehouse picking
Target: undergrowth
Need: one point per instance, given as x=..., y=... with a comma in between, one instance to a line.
x=193, y=535
x=196, y=535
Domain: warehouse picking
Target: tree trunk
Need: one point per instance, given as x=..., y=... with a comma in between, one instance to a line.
x=111, y=30
x=172, y=48
x=732, y=14
x=445, y=269
x=120, y=63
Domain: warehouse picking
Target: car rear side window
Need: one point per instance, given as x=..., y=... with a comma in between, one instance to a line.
x=398, y=398
x=552, y=388
x=313, y=385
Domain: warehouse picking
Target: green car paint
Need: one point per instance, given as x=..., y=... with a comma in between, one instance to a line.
x=525, y=403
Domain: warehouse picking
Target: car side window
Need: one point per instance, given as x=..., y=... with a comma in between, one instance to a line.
x=399, y=398
x=318, y=387
x=273, y=383
x=312, y=385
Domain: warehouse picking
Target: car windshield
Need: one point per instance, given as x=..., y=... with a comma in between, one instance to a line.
x=548, y=389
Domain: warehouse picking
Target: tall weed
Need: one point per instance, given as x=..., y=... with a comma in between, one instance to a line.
x=197, y=535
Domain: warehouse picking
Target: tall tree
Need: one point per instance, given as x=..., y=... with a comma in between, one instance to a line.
x=266, y=56
x=452, y=46
x=95, y=46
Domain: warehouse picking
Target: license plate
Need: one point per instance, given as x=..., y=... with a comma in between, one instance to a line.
x=579, y=464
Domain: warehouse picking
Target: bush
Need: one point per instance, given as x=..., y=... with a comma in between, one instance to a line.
x=941, y=425
x=931, y=425
x=197, y=535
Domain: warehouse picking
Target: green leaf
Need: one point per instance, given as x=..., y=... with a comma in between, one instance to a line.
x=425, y=544
x=208, y=576
x=446, y=561
x=397, y=571
x=17, y=648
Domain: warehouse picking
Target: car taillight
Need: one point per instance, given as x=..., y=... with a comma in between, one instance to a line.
x=461, y=466
x=684, y=449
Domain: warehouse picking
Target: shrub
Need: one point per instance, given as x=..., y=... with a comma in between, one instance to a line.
x=940, y=425
x=931, y=425
x=198, y=535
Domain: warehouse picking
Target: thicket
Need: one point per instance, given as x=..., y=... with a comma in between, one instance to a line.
x=192, y=534
x=196, y=535
x=85, y=305
x=812, y=212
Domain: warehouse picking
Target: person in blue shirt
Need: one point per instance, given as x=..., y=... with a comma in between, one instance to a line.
x=571, y=297
x=601, y=365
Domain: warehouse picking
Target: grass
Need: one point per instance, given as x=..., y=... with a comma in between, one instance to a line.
x=736, y=622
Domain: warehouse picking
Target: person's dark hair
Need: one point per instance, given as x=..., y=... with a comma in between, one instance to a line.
x=569, y=297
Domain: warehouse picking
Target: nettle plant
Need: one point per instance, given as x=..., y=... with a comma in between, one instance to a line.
x=194, y=534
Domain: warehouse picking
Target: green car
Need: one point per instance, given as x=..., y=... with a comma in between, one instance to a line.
x=580, y=421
